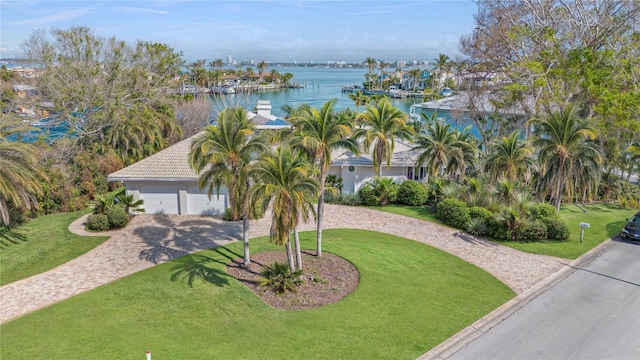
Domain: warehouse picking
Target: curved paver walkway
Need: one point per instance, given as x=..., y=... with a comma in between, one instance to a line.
x=152, y=239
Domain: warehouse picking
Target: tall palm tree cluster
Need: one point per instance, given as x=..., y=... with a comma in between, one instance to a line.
x=199, y=75
x=284, y=173
x=445, y=72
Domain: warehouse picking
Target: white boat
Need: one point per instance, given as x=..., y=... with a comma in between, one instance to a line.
x=396, y=93
x=228, y=90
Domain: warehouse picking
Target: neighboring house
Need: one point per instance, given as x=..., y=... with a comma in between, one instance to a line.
x=23, y=91
x=168, y=185
x=230, y=79
x=263, y=118
x=356, y=170
x=464, y=105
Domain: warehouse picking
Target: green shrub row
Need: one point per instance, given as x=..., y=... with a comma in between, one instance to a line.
x=113, y=218
x=538, y=222
x=535, y=222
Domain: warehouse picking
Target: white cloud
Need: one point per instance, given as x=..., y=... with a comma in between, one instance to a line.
x=133, y=10
x=44, y=21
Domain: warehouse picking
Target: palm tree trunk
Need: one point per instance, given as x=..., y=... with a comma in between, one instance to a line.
x=320, y=215
x=245, y=238
x=296, y=240
x=558, y=193
x=292, y=265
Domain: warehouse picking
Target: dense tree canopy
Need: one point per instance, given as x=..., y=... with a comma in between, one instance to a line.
x=97, y=85
x=552, y=53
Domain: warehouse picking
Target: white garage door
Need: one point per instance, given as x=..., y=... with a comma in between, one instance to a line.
x=198, y=202
x=160, y=199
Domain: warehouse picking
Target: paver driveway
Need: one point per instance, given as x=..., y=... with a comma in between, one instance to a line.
x=152, y=239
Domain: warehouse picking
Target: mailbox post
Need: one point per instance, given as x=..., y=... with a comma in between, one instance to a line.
x=582, y=227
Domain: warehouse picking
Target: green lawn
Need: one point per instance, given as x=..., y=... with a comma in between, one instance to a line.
x=49, y=244
x=411, y=297
x=606, y=222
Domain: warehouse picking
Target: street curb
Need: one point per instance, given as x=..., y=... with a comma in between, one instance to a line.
x=484, y=324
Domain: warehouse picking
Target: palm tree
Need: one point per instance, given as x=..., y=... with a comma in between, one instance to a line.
x=221, y=155
x=217, y=64
x=249, y=72
x=286, y=78
x=262, y=65
x=468, y=145
x=442, y=65
x=438, y=146
x=414, y=75
x=140, y=132
x=562, y=139
x=20, y=178
x=274, y=75
x=371, y=64
x=286, y=180
x=459, y=67
x=383, y=123
x=129, y=203
x=216, y=76
x=510, y=158
x=359, y=98
x=199, y=74
x=318, y=133
x=381, y=65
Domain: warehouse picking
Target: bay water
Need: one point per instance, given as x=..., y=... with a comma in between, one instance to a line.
x=320, y=84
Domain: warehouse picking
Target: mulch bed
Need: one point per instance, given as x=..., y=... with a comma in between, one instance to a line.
x=327, y=279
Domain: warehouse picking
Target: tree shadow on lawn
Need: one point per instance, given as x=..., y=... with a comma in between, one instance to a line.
x=197, y=266
x=169, y=237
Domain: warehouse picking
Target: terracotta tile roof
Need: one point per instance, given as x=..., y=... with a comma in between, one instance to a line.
x=171, y=164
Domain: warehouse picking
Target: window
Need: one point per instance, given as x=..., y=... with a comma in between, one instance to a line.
x=351, y=168
x=410, y=172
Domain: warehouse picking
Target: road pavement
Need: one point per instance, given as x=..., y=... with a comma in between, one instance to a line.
x=594, y=313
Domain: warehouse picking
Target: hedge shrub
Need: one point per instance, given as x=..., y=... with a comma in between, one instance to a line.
x=453, y=212
x=480, y=213
x=542, y=210
x=117, y=217
x=532, y=231
x=412, y=193
x=556, y=229
x=498, y=230
x=98, y=222
x=367, y=195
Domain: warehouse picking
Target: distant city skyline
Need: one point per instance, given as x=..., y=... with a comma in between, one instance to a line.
x=272, y=31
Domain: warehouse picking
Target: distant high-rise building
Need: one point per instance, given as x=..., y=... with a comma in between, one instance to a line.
x=229, y=59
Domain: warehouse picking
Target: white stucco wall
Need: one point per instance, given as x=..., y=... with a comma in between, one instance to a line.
x=353, y=180
x=160, y=196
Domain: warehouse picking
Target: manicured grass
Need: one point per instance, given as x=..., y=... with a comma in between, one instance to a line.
x=49, y=244
x=605, y=220
x=410, y=298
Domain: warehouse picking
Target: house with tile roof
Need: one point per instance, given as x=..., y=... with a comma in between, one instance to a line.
x=355, y=170
x=167, y=184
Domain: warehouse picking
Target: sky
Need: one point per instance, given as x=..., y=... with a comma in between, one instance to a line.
x=270, y=31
